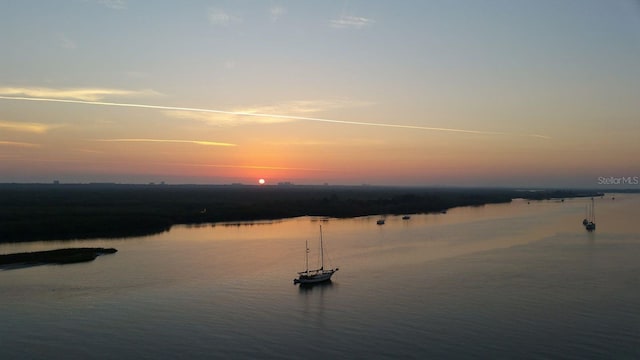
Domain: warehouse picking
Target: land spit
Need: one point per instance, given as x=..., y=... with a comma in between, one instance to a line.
x=58, y=256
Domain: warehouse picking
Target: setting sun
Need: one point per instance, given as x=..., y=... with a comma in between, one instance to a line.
x=261, y=181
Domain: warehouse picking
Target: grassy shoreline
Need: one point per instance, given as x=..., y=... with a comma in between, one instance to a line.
x=40, y=212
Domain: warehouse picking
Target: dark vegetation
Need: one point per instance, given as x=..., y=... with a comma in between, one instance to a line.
x=59, y=256
x=31, y=212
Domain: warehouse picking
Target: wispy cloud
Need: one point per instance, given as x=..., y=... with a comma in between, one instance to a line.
x=18, y=144
x=65, y=42
x=37, y=128
x=340, y=143
x=84, y=94
x=114, y=4
x=350, y=22
x=300, y=107
x=246, y=166
x=217, y=119
x=277, y=12
x=278, y=116
x=301, y=143
x=196, y=142
x=89, y=151
x=220, y=17
x=309, y=106
x=245, y=115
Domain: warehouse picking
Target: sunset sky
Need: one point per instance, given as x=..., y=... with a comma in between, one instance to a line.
x=464, y=93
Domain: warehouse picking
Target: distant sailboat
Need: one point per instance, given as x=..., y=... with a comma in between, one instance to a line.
x=591, y=218
x=317, y=275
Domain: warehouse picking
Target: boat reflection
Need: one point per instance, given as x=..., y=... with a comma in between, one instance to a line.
x=321, y=286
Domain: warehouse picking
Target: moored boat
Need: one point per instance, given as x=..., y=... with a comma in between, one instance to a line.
x=316, y=275
x=590, y=222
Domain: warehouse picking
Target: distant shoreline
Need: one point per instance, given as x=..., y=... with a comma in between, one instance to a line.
x=42, y=212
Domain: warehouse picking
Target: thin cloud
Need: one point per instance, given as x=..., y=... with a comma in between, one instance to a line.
x=261, y=167
x=18, y=144
x=277, y=12
x=350, y=22
x=89, y=151
x=238, y=116
x=65, y=42
x=310, y=106
x=261, y=115
x=351, y=142
x=114, y=4
x=218, y=119
x=83, y=94
x=220, y=17
x=37, y=128
x=196, y=142
x=301, y=143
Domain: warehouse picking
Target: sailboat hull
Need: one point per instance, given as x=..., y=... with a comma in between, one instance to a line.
x=317, y=277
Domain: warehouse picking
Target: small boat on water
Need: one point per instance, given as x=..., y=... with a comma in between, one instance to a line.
x=317, y=275
x=590, y=221
x=380, y=222
x=406, y=217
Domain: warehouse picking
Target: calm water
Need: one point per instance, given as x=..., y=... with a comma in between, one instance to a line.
x=500, y=281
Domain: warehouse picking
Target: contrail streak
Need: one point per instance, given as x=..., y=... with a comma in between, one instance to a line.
x=290, y=117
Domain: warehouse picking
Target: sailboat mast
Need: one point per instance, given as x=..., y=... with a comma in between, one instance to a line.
x=321, y=251
x=306, y=255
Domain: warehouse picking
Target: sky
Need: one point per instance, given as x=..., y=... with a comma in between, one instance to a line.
x=410, y=93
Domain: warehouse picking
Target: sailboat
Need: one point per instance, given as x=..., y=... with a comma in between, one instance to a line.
x=590, y=224
x=317, y=275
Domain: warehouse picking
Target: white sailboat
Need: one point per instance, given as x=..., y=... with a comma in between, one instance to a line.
x=317, y=275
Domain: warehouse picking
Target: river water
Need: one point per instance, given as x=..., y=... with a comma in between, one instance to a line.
x=518, y=280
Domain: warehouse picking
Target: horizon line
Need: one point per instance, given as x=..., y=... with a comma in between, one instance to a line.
x=285, y=184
